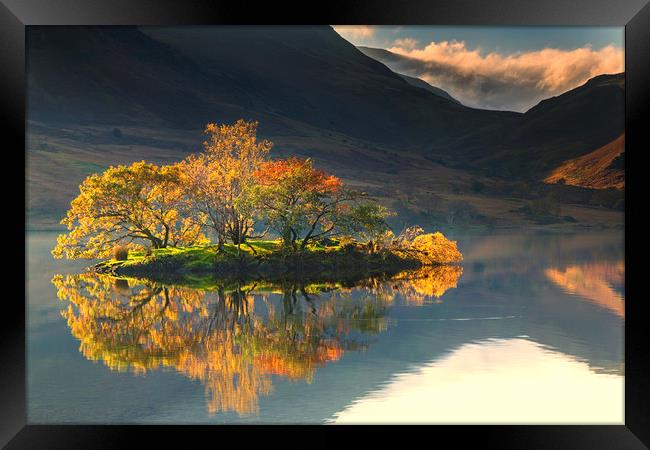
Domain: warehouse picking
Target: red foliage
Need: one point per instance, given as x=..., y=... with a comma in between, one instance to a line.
x=300, y=172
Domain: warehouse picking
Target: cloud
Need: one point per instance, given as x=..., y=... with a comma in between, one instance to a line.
x=355, y=32
x=406, y=43
x=515, y=81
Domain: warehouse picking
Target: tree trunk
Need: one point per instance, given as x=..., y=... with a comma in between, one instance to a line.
x=166, y=241
x=156, y=242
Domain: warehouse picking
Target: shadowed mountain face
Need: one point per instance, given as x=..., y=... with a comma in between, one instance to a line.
x=413, y=81
x=564, y=127
x=184, y=77
x=557, y=129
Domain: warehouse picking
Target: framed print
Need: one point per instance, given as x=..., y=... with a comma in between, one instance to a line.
x=394, y=213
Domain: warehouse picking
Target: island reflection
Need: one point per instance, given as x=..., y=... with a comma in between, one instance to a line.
x=235, y=336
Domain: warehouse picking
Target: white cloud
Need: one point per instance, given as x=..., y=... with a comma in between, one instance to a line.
x=406, y=43
x=512, y=81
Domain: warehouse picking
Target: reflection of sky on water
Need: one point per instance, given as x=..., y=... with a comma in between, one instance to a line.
x=494, y=381
x=527, y=303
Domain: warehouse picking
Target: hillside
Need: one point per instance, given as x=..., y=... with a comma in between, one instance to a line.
x=556, y=129
x=601, y=169
x=100, y=96
x=417, y=82
x=182, y=78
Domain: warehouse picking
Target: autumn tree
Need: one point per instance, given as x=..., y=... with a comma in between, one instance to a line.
x=217, y=178
x=127, y=205
x=205, y=193
x=368, y=221
x=302, y=203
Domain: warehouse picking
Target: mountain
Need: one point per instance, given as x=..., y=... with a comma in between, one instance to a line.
x=100, y=96
x=397, y=61
x=183, y=77
x=560, y=128
x=417, y=82
x=601, y=169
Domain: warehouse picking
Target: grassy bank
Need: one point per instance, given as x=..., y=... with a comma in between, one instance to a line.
x=268, y=260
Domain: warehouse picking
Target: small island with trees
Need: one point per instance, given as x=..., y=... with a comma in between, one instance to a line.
x=232, y=211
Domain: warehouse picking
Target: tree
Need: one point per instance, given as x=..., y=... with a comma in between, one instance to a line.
x=368, y=220
x=300, y=202
x=217, y=178
x=127, y=205
x=206, y=193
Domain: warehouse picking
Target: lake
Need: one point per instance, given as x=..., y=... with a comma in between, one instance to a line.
x=528, y=329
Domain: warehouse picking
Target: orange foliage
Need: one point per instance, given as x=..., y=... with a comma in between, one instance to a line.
x=301, y=170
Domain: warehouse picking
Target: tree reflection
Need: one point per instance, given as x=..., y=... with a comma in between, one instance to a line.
x=236, y=337
x=417, y=287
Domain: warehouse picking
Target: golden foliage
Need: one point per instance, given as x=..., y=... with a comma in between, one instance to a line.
x=217, y=180
x=436, y=248
x=127, y=205
x=223, y=190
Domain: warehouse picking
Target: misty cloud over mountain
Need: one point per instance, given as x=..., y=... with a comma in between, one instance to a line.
x=513, y=82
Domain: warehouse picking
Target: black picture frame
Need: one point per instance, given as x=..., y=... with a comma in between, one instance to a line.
x=634, y=15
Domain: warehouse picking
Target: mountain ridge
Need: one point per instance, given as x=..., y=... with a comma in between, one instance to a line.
x=418, y=82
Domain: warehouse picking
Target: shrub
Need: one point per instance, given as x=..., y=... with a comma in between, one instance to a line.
x=435, y=248
x=121, y=252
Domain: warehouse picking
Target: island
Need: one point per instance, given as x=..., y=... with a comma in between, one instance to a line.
x=331, y=259
x=232, y=211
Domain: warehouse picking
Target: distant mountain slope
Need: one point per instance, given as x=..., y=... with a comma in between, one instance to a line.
x=417, y=82
x=603, y=168
x=557, y=129
x=394, y=60
x=592, y=113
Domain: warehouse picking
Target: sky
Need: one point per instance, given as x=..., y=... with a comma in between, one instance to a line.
x=504, y=68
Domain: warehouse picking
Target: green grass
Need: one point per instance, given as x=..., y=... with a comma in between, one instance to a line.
x=204, y=257
x=208, y=253
x=262, y=261
x=265, y=259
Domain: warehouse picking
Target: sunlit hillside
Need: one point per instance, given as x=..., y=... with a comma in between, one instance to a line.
x=601, y=169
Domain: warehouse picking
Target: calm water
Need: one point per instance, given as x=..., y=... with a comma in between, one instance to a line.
x=528, y=330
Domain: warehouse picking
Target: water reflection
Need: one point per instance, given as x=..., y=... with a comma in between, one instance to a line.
x=495, y=381
x=234, y=337
x=596, y=282
x=417, y=287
